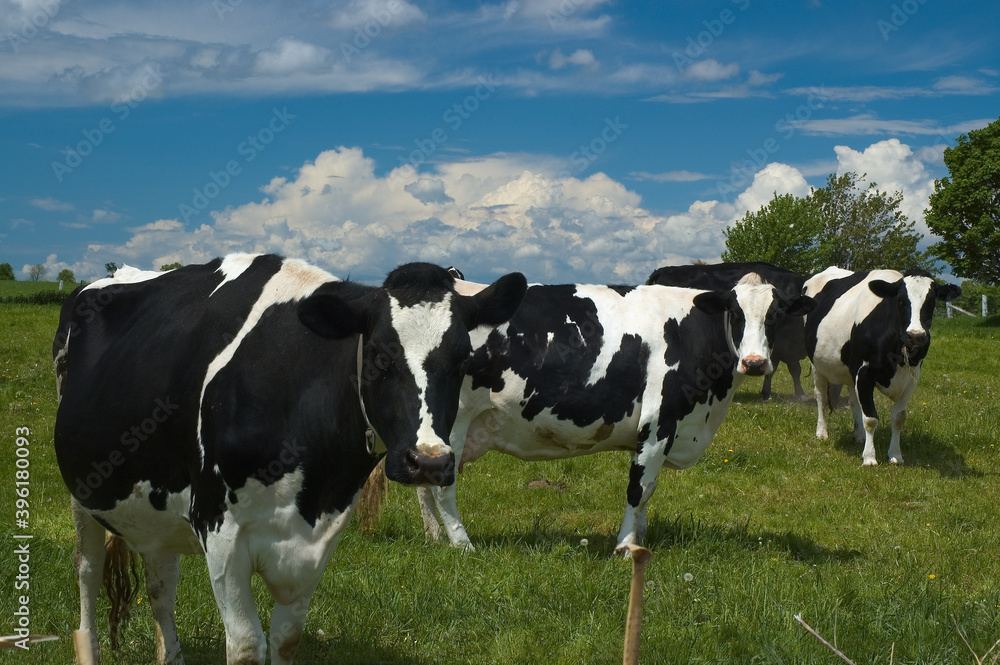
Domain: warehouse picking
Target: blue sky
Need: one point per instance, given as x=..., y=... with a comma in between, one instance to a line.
x=573, y=140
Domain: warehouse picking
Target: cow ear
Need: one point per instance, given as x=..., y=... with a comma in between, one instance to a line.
x=947, y=292
x=332, y=317
x=496, y=303
x=884, y=289
x=800, y=306
x=713, y=302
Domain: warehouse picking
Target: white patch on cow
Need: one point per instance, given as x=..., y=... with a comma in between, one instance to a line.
x=464, y=288
x=125, y=275
x=288, y=553
x=233, y=266
x=754, y=298
x=917, y=290
x=421, y=330
x=150, y=530
x=295, y=280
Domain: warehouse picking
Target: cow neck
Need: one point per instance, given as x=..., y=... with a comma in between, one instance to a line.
x=376, y=446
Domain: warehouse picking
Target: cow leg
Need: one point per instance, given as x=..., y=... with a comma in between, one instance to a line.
x=89, y=563
x=432, y=527
x=162, y=573
x=447, y=506
x=795, y=370
x=230, y=569
x=765, y=390
x=287, y=625
x=857, y=414
x=899, y=418
x=646, y=464
x=864, y=384
x=821, y=387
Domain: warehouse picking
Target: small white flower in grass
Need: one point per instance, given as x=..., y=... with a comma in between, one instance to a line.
x=688, y=577
x=584, y=542
x=320, y=632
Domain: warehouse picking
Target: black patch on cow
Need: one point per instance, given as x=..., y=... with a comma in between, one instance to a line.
x=158, y=498
x=419, y=282
x=553, y=341
x=621, y=289
x=698, y=345
x=634, y=492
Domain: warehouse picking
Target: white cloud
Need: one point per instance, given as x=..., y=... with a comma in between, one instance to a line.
x=385, y=14
x=893, y=166
x=711, y=70
x=581, y=58
x=51, y=204
x=869, y=123
x=670, y=176
x=288, y=56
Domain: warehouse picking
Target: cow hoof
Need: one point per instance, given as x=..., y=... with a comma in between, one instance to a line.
x=822, y=435
x=896, y=460
x=869, y=462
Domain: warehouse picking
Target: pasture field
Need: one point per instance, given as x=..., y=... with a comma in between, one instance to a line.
x=888, y=563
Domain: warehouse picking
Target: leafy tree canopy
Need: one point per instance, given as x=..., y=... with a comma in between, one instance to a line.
x=6, y=271
x=170, y=266
x=965, y=208
x=66, y=275
x=843, y=224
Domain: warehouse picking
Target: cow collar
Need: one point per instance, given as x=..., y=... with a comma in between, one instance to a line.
x=376, y=446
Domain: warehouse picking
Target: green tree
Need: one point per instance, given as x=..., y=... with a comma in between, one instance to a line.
x=6, y=271
x=784, y=233
x=965, y=208
x=111, y=267
x=863, y=227
x=170, y=266
x=36, y=273
x=66, y=275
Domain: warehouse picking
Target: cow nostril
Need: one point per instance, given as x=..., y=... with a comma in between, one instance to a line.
x=412, y=462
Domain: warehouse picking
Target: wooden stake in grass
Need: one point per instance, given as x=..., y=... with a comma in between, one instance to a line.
x=633, y=624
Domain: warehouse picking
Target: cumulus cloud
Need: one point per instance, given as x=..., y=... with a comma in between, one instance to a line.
x=487, y=215
x=893, y=166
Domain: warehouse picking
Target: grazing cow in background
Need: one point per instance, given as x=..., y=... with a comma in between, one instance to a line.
x=789, y=338
x=871, y=329
x=230, y=409
x=582, y=369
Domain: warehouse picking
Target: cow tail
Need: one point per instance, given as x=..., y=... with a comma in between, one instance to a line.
x=121, y=581
x=372, y=499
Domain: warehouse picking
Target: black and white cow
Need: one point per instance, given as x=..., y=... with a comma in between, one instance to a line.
x=871, y=330
x=217, y=409
x=789, y=338
x=582, y=369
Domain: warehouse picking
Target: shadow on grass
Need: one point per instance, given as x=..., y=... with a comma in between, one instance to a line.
x=684, y=532
x=920, y=449
x=688, y=531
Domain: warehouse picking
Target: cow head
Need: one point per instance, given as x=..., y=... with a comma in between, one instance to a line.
x=914, y=298
x=414, y=345
x=753, y=310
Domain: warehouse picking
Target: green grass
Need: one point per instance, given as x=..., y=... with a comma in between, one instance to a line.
x=769, y=524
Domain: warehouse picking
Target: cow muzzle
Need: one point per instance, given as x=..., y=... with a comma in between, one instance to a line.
x=429, y=469
x=754, y=365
